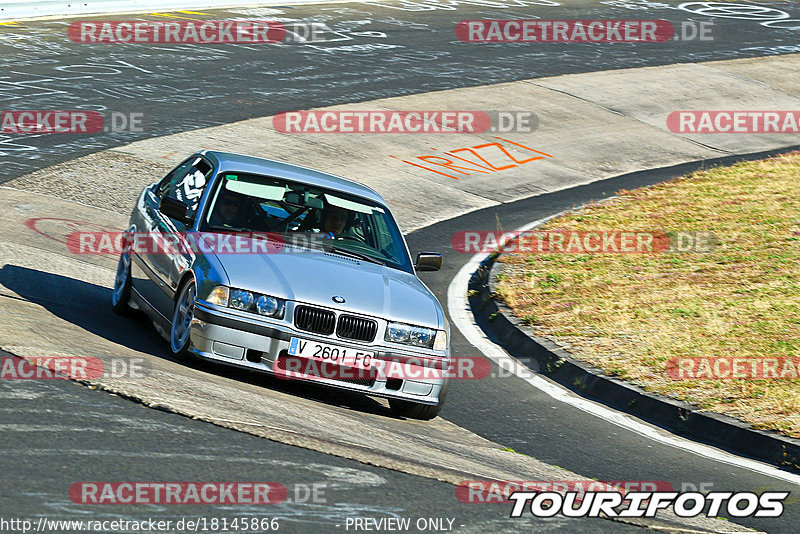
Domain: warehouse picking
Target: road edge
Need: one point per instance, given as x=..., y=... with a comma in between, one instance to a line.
x=555, y=362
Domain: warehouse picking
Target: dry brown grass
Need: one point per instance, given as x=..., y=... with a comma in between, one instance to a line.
x=630, y=313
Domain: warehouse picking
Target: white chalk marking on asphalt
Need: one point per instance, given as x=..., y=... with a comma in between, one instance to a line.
x=21, y=427
x=460, y=313
x=18, y=395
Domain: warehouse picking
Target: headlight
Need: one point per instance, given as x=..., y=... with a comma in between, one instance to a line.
x=219, y=296
x=241, y=300
x=422, y=337
x=416, y=336
x=269, y=306
x=397, y=333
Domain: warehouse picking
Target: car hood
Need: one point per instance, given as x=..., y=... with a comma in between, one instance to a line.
x=315, y=277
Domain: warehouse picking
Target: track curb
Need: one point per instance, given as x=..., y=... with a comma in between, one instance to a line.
x=550, y=359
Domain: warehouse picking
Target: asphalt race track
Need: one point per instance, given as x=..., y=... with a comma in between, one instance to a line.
x=397, y=51
x=55, y=433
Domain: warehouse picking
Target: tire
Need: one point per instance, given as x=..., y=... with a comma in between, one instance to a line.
x=415, y=410
x=182, y=314
x=121, y=293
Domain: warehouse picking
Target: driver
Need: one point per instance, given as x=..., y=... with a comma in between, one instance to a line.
x=334, y=221
x=227, y=212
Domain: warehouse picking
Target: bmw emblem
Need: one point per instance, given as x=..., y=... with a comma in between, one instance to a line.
x=338, y=300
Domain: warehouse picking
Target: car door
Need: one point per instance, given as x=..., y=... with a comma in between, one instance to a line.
x=165, y=265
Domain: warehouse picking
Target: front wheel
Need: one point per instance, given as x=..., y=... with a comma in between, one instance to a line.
x=415, y=410
x=182, y=316
x=121, y=294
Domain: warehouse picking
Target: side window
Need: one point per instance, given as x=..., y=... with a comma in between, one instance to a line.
x=186, y=183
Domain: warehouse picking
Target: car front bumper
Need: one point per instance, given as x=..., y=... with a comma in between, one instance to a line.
x=252, y=344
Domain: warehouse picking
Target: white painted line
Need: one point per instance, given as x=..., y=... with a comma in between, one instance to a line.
x=462, y=317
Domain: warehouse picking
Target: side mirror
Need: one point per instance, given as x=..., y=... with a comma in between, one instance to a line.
x=428, y=261
x=175, y=209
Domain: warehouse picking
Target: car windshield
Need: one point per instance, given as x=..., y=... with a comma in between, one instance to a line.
x=339, y=223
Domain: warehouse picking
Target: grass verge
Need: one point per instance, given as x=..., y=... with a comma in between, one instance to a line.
x=630, y=314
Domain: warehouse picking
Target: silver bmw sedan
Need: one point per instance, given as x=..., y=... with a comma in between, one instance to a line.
x=286, y=270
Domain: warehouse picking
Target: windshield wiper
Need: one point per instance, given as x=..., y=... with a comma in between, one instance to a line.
x=225, y=229
x=352, y=254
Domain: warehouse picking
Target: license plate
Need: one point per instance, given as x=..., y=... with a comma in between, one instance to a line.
x=323, y=352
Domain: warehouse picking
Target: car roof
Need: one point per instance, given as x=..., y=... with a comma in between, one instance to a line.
x=228, y=162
